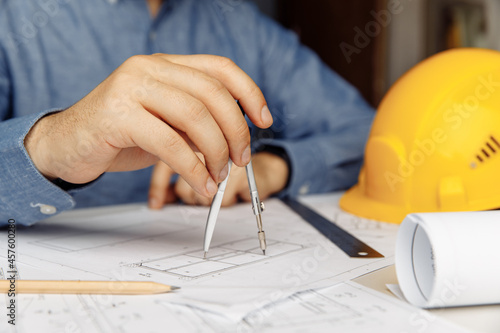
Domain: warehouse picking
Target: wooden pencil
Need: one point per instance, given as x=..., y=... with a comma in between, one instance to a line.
x=84, y=287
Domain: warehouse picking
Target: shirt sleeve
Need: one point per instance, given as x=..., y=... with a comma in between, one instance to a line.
x=26, y=196
x=320, y=120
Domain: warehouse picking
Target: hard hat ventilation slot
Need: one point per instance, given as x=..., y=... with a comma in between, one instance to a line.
x=495, y=141
x=492, y=147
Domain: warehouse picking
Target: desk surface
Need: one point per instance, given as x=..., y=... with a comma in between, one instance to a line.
x=484, y=319
x=477, y=319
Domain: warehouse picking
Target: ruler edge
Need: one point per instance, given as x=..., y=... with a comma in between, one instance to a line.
x=375, y=254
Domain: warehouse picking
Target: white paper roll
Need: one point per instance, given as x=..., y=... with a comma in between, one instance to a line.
x=449, y=259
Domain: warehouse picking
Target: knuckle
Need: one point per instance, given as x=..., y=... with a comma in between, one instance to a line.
x=139, y=60
x=196, y=170
x=174, y=143
x=217, y=153
x=197, y=112
x=120, y=79
x=253, y=92
x=241, y=132
x=223, y=63
x=214, y=87
x=222, y=152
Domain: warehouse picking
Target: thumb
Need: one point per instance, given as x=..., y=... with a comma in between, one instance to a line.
x=160, y=191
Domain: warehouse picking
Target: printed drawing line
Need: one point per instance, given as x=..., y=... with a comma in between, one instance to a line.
x=221, y=258
x=333, y=307
x=89, y=240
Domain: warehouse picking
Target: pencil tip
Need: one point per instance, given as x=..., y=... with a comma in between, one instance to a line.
x=205, y=255
x=174, y=288
x=264, y=251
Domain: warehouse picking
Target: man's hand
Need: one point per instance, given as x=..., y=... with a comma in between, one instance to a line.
x=154, y=107
x=271, y=175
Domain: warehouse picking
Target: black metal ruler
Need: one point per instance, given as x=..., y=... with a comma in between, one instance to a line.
x=352, y=246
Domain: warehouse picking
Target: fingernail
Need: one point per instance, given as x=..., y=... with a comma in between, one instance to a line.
x=223, y=173
x=211, y=186
x=153, y=202
x=266, y=116
x=247, y=155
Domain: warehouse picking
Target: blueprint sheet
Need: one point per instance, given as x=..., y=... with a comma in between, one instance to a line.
x=133, y=243
x=344, y=307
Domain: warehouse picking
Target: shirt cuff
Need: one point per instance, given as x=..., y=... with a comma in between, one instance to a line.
x=317, y=170
x=25, y=194
x=304, y=166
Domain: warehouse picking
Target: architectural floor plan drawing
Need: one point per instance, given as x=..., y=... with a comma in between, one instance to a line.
x=299, y=285
x=345, y=307
x=221, y=258
x=130, y=243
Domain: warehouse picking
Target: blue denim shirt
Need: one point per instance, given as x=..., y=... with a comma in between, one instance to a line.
x=53, y=52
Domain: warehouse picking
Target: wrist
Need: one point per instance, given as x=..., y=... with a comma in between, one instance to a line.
x=36, y=146
x=273, y=170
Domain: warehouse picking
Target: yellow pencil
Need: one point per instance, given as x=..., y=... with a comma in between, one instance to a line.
x=84, y=287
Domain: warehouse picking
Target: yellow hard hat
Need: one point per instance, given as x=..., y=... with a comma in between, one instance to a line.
x=435, y=141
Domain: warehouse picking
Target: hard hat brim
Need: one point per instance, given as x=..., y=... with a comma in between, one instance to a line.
x=354, y=201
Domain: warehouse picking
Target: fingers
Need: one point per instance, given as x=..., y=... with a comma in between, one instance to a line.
x=160, y=191
x=190, y=116
x=191, y=97
x=217, y=82
x=236, y=189
x=159, y=139
x=127, y=113
x=216, y=99
x=237, y=82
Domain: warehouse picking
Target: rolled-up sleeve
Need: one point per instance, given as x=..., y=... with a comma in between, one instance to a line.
x=25, y=195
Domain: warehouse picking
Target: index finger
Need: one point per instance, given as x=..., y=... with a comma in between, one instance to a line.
x=236, y=81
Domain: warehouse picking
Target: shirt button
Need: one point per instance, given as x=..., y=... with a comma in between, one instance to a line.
x=304, y=189
x=48, y=210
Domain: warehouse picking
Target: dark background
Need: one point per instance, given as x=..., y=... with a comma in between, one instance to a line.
x=417, y=30
x=324, y=24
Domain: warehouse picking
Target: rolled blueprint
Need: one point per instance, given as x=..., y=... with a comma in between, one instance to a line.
x=449, y=259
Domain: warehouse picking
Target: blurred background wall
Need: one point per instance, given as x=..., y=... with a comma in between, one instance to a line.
x=371, y=43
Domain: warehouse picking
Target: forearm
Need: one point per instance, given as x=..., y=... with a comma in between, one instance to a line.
x=55, y=145
x=323, y=162
x=25, y=195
